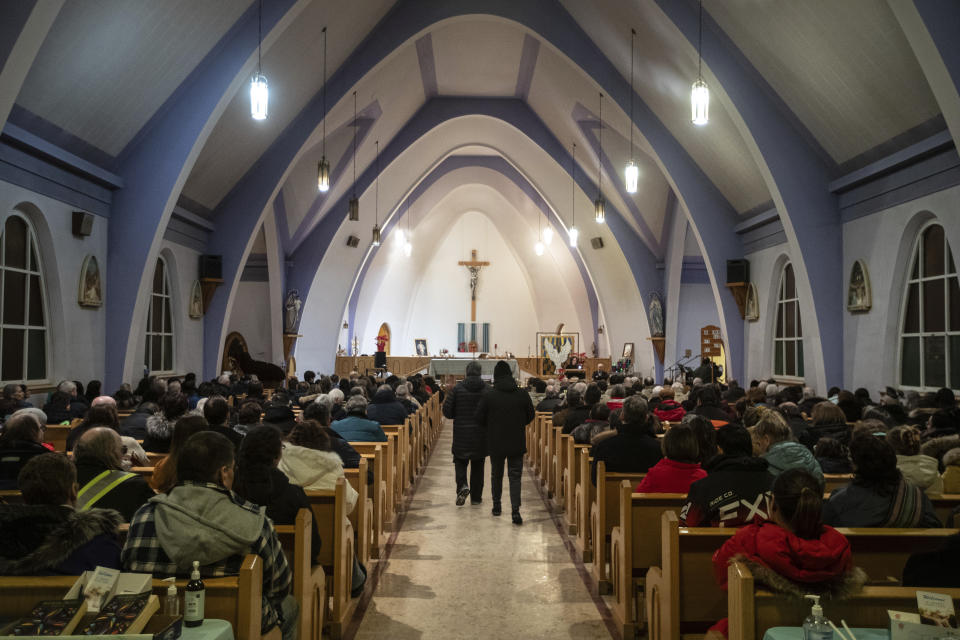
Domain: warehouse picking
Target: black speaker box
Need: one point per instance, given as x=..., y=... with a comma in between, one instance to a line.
x=211, y=267
x=597, y=242
x=82, y=223
x=738, y=271
x=380, y=359
x=353, y=241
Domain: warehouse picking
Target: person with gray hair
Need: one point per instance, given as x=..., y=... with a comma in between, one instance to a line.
x=21, y=440
x=635, y=448
x=356, y=427
x=104, y=484
x=406, y=399
x=337, y=411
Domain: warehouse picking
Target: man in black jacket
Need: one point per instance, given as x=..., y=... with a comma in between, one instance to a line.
x=216, y=411
x=384, y=408
x=504, y=412
x=737, y=486
x=635, y=448
x=469, y=448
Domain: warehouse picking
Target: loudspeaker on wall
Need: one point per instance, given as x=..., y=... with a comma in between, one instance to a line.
x=596, y=243
x=738, y=271
x=82, y=223
x=353, y=241
x=211, y=267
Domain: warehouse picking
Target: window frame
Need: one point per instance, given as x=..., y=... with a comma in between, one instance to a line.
x=166, y=294
x=34, y=249
x=795, y=339
x=917, y=259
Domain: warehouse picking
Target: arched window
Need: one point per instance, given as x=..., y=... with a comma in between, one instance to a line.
x=159, y=348
x=23, y=318
x=930, y=322
x=788, y=340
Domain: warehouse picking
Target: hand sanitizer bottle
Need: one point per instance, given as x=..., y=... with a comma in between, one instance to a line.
x=816, y=627
x=171, y=603
x=193, y=598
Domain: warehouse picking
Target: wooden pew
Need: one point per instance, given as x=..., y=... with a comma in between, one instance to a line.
x=682, y=596
x=571, y=476
x=235, y=599
x=752, y=610
x=57, y=436
x=402, y=454
x=336, y=554
x=378, y=494
x=361, y=518
x=11, y=496
x=560, y=461
x=540, y=441
x=309, y=580
x=604, y=516
x=391, y=504
x=944, y=505
x=582, y=499
x=834, y=481
x=634, y=548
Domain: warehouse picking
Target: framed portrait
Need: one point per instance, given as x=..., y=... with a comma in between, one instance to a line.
x=752, y=308
x=420, y=347
x=627, y=350
x=655, y=315
x=859, y=297
x=90, y=291
x=196, y=301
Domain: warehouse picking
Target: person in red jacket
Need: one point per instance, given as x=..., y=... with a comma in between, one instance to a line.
x=793, y=552
x=669, y=410
x=679, y=469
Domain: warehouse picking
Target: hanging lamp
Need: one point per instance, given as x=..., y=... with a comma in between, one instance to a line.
x=323, y=167
x=353, y=207
x=599, y=207
x=700, y=95
x=632, y=173
x=376, y=199
x=259, y=93
x=548, y=236
x=572, y=232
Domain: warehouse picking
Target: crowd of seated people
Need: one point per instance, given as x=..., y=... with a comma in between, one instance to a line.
x=225, y=447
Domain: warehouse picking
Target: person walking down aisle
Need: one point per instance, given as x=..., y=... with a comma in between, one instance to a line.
x=504, y=412
x=469, y=445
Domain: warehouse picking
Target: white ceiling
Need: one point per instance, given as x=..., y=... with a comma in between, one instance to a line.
x=107, y=65
x=477, y=57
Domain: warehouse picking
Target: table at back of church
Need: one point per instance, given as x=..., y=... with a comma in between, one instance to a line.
x=458, y=367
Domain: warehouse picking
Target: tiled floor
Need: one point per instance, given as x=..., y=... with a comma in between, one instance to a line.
x=459, y=572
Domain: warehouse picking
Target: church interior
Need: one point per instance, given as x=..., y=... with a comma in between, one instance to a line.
x=675, y=200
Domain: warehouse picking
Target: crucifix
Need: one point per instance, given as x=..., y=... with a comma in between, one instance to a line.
x=473, y=266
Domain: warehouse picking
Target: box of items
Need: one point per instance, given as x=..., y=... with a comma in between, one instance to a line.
x=935, y=619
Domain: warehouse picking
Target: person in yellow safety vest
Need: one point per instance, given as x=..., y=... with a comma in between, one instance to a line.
x=103, y=482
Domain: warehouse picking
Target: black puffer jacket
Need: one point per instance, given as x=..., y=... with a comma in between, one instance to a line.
x=386, y=409
x=460, y=405
x=505, y=411
x=12, y=459
x=735, y=491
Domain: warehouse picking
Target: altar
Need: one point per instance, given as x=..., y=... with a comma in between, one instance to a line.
x=458, y=366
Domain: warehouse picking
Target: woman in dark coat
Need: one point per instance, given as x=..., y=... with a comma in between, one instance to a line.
x=469, y=447
x=504, y=412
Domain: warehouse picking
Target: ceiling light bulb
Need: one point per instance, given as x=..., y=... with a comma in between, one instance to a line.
x=700, y=103
x=401, y=238
x=376, y=236
x=408, y=249
x=547, y=236
x=259, y=97
x=600, y=211
x=323, y=175
x=632, y=176
x=574, y=234
x=538, y=248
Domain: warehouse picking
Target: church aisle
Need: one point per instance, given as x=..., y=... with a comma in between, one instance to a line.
x=459, y=572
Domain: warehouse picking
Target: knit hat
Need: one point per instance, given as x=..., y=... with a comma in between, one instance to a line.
x=502, y=370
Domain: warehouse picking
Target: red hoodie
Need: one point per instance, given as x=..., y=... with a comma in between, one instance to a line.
x=794, y=558
x=670, y=411
x=670, y=476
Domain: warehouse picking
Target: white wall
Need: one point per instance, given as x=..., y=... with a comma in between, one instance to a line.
x=697, y=309
x=251, y=318
x=76, y=338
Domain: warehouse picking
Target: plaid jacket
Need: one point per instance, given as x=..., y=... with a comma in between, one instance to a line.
x=143, y=554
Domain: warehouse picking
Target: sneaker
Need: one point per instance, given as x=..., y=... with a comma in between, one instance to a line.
x=516, y=518
x=462, y=495
x=496, y=509
x=476, y=502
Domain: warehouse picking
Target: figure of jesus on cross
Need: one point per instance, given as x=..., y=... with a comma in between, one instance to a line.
x=473, y=266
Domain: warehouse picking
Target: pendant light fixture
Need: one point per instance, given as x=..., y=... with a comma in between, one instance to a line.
x=632, y=173
x=323, y=167
x=572, y=232
x=548, y=236
x=700, y=95
x=376, y=199
x=259, y=93
x=599, y=207
x=353, y=207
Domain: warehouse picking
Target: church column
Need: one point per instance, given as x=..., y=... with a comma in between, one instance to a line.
x=25, y=25
x=797, y=177
x=931, y=28
x=672, y=273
